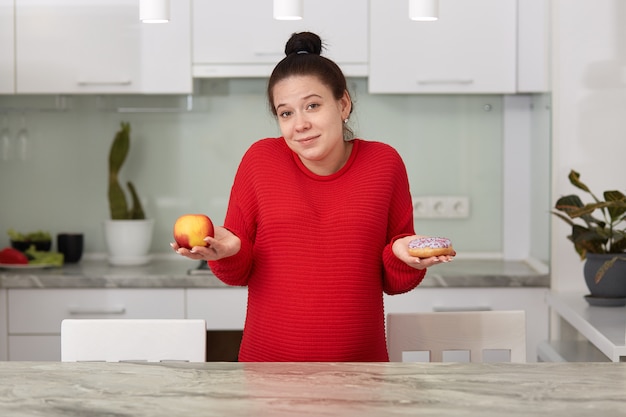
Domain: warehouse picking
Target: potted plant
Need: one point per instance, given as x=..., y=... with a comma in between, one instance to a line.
x=599, y=238
x=128, y=233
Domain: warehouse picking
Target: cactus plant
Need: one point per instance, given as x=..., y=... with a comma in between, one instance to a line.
x=117, y=198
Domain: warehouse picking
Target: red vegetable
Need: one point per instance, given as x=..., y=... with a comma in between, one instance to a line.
x=12, y=256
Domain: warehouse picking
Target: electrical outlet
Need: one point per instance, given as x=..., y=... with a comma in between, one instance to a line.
x=441, y=207
x=459, y=207
x=421, y=207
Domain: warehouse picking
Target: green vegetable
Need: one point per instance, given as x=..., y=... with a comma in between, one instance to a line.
x=38, y=236
x=44, y=258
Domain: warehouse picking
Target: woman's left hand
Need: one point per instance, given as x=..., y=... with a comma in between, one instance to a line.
x=401, y=250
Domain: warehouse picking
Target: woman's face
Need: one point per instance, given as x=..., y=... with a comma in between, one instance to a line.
x=311, y=121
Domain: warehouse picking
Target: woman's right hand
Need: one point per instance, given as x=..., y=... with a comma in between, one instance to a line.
x=224, y=244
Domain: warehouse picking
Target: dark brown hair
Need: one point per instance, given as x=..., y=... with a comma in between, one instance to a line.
x=303, y=57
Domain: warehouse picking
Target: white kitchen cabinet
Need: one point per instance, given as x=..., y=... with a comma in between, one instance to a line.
x=35, y=315
x=3, y=326
x=531, y=300
x=222, y=308
x=470, y=49
x=7, y=47
x=100, y=46
x=231, y=39
x=533, y=46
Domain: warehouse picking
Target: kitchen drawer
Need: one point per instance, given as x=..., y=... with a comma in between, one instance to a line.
x=40, y=311
x=222, y=308
x=35, y=348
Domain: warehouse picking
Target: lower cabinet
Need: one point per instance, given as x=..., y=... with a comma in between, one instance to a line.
x=531, y=300
x=3, y=326
x=223, y=308
x=35, y=315
x=31, y=329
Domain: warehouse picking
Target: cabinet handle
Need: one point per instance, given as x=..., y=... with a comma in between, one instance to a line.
x=87, y=311
x=444, y=81
x=466, y=308
x=120, y=82
x=268, y=53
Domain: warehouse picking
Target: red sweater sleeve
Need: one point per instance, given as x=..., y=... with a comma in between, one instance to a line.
x=398, y=277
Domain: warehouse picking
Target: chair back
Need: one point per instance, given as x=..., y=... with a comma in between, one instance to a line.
x=473, y=331
x=147, y=340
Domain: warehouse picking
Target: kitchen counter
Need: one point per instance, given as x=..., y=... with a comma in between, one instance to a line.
x=602, y=327
x=311, y=389
x=167, y=272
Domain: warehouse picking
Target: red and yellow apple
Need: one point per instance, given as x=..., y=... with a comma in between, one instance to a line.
x=191, y=229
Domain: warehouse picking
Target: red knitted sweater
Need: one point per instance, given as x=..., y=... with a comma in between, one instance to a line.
x=316, y=252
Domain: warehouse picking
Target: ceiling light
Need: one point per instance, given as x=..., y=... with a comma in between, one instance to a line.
x=154, y=11
x=424, y=10
x=287, y=9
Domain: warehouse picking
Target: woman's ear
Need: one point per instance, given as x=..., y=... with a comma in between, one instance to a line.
x=346, y=105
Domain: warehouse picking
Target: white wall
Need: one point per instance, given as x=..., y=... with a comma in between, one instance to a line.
x=589, y=113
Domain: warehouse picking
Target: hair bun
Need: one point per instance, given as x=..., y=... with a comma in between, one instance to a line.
x=304, y=43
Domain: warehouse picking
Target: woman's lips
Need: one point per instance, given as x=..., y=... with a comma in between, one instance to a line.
x=307, y=139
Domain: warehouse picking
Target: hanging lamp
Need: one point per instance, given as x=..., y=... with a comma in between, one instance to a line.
x=288, y=9
x=424, y=10
x=154, y=11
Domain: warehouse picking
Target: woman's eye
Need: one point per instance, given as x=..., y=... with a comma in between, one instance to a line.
x=313, y=106
x=285, y=114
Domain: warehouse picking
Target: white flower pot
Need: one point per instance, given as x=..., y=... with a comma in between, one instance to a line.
x=128, y=241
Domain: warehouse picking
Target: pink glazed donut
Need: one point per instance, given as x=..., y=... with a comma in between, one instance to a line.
x=425, y=247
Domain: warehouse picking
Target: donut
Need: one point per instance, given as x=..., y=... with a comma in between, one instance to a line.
x=425, y=247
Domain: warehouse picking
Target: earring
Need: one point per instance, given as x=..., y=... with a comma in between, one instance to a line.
x=345, y=121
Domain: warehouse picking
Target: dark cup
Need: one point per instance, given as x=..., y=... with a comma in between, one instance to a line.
x=71, y=246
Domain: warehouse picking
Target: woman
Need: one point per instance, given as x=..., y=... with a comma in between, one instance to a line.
x=318, y=224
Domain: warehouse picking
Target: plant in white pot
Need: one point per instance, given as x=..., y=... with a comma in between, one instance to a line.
x=128, y=233
x=599, y=238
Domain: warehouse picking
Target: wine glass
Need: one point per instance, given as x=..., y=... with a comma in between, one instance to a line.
x=5, y=138
x=22, y=139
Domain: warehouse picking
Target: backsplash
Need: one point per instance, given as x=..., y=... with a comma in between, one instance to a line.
x=184, y=161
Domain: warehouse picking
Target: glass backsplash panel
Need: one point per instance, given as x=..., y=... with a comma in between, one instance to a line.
x=184, y=161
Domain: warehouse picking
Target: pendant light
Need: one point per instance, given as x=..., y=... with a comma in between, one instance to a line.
x=424, y=10
x=154, y=11
x=288, y=9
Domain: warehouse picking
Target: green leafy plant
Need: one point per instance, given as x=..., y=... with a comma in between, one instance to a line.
x=601, y=226
x=38, y=236
x=117, y=198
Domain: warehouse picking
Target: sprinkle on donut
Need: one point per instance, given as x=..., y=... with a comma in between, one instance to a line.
x=425, y=247
x=430, y=242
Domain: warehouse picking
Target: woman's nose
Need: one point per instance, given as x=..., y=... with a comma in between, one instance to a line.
x=302, y=123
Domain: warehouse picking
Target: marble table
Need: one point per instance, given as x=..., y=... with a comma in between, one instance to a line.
x=311, y=389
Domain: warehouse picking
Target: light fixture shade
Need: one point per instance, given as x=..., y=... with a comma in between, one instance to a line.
x=154, y=11
x=288, y=9
x=424, y=10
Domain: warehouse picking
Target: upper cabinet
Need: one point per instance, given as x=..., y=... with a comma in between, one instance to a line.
x=471, y=48
x=533, y=46
x=231, y=39
x=100, y=46
x=7, y=54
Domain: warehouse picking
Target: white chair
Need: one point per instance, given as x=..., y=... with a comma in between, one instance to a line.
x=148, y=340
x=440, y=333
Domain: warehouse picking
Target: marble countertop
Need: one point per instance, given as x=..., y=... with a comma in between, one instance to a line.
x=168, y=272
x=53, y=389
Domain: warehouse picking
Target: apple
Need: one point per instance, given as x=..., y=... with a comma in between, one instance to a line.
x=191, y=229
